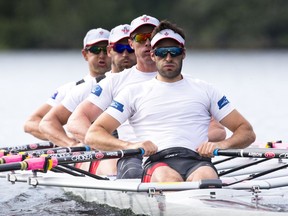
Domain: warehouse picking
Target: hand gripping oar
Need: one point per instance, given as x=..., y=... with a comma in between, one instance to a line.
x=29, y=147
x=24, y=155
x=253, y=152
x=46, y=162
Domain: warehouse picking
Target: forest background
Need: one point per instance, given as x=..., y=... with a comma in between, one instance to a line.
x=208, y=24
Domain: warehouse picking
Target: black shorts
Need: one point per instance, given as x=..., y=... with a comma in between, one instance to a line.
x=183, y=160
x=130, y=167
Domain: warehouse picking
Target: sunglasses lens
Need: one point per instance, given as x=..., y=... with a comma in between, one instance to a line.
x=163, y=51
x=97, y=50
x=140, y=38
x=120, y=48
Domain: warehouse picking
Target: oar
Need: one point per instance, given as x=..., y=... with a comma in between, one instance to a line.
x=253, y=176
x=253, y=153
x=24, y=155
x=275, y=144
x=29, y=147
x=45, y=162
x=221, y=173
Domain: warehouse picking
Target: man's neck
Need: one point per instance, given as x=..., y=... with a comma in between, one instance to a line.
x=146, y=67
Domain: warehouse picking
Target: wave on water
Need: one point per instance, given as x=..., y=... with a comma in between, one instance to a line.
x=22, y=199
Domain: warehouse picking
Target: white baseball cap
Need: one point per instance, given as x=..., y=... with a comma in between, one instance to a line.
x=119, y=32
x=167, y=33
x=95, y=35
x=143, y=20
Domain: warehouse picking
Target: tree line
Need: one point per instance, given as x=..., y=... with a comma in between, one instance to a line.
x=208, y=24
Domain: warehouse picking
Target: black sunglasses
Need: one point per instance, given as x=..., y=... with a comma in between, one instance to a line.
x=120, y=48
x=163, y=51
x=97, y=49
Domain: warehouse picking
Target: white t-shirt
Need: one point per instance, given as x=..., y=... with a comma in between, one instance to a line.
x=104, y=92
x=171, y=114
x=80, y=92
x=63, y=90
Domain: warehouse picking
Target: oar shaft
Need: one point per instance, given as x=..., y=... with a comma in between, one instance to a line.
x=29, y=147
x=98, y=155
x=60, y=150
x=45, y=162
x=253, y=152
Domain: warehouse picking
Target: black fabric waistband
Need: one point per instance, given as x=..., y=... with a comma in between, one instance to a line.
x=175, y=152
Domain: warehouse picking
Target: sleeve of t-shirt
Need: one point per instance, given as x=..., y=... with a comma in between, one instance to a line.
x=60, y=94
x=77, y=95
x=220, y=103
x=101, y=94
x=121, y=106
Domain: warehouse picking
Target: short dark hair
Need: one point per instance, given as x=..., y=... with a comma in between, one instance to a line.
x=165, y=24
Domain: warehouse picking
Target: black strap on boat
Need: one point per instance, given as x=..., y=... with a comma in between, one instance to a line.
x=223, y=160
x=65, y=170
x=84, y=172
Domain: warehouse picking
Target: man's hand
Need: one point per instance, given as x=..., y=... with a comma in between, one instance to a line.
x=149, y=147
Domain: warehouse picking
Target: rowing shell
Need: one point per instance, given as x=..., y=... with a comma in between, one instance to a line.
x=256, y=197
x=235, y=193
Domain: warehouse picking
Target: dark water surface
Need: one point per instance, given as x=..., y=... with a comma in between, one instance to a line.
x=22, y=199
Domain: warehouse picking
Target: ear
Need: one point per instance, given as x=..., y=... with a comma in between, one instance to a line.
x=130, y=43
x=184, y=53
x=109, y=48
x=84, y=54
x=152, y=55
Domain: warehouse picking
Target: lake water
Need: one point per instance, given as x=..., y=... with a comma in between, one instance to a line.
x=255, y=81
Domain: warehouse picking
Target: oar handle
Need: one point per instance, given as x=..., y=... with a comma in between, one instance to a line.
x=253, y=153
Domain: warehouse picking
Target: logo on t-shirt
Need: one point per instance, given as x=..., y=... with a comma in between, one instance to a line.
x=117, y=105
x=222, y=102
x=97, y=90
x=54, y=95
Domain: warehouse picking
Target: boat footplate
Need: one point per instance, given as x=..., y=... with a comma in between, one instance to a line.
x=210, y=183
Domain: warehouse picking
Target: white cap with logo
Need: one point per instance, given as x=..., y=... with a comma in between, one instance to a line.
x=167, y=33
x=119, y=32
x=95, y=35
x=143, y=20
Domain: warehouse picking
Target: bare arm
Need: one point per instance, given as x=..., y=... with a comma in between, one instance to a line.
x=31, y=126
x=99, y=137
x=243, y=135
x=52, y=126
x=216, y=131
x=81, y=119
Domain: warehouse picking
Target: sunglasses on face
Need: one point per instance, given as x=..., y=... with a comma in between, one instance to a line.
x=163, y=51
x=120, y=48
x=97, y=49
x=142, y=37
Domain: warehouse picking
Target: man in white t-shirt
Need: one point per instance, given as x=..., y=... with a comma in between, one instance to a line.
x=103, y=94
x=98, y=65
x=122, y=56
x=170, y=116
x=52, y=124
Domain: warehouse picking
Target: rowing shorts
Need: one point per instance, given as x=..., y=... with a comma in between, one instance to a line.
x=183, y=160
x=130, y=167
